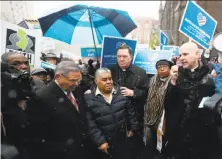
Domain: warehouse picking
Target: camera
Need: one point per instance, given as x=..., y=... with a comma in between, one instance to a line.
x=15, y=84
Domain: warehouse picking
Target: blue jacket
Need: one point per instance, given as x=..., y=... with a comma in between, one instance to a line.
x=218, y=79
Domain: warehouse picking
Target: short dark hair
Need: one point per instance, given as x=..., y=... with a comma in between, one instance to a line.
x=5, y=56
x=124, y=46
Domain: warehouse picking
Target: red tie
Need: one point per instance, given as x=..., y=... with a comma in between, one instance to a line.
x=73, y=101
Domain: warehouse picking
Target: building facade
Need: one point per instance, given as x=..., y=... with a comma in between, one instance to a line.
x=171, y=14
x=16, y=11
x=144, y=28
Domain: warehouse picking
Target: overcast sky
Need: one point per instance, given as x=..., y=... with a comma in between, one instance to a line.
x=134, y=8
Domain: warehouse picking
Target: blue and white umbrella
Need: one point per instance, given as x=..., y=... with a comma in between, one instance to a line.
x=84, y=25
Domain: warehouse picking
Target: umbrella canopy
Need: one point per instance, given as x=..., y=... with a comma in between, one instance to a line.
x=82, y=24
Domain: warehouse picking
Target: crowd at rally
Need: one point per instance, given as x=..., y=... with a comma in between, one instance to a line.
x=81, y=111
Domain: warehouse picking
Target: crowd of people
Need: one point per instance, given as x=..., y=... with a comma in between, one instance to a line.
x=81, y=111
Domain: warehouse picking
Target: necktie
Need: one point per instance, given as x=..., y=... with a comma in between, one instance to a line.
x=73, y=101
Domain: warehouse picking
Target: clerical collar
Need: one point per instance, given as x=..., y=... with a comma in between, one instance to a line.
x=194, y=69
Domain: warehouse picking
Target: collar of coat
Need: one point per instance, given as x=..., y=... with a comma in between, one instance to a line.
x=199, y=73
x=131, y=68
x=116, y=89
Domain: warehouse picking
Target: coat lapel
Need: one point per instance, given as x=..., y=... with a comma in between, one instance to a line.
x=61, y=97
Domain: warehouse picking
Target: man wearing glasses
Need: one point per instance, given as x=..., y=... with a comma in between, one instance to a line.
x=15, y=88
x=56, y=117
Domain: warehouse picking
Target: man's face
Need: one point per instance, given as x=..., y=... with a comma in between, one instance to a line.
x=188, y=57
x=51, y=60
x=163, y=71
x=70, y=81
x=41, y=76
x=19, y=61
x=105, y=82
x=124, y=58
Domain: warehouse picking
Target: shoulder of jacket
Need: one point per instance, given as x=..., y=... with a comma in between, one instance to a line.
x=88, y=96
x=137, y=68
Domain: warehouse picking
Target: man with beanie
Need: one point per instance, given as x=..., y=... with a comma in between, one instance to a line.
x=39, y=78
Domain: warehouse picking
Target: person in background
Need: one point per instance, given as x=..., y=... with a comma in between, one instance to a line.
x=80, y=62
x=111, y=117
x=50, y=58
x=91, y=69
x=39, y=78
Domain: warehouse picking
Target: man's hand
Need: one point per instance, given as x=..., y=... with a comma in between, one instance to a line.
x=21, y=104
x=174, y=74
x=104, y=147
x=88, y=91
x=127, y=92
x=130, y=134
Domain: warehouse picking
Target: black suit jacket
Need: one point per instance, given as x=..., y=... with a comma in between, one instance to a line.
x=136, y=79
x=56, y=128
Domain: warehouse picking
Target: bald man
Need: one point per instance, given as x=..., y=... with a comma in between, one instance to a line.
x=191, y=131
x=189, y=54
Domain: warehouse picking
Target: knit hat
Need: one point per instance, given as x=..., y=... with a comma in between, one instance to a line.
x=164, y=62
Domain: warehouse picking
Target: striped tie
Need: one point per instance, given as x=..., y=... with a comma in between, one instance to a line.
x=73, y=100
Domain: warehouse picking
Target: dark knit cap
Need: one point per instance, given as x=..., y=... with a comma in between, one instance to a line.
x=38, y=71
x=164, y=62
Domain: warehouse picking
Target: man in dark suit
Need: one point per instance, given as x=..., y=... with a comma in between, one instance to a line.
x=133, y=82
x=56, y=118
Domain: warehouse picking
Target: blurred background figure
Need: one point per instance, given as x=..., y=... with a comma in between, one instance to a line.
x=50, y=58
x=91, y=69
x=39, y=78
x=39, y=73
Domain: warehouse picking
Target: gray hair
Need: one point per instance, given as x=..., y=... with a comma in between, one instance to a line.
x=100, y=71
x=64, y=67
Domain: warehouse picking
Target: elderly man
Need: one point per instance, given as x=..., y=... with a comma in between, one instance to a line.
x=56, y=117
x=192, y=132
x=111, y=117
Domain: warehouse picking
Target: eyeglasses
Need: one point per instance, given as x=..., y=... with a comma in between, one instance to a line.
x=72, y=81
x=17, y=64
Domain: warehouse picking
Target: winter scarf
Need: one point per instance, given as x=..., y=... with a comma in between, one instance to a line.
x=155, y=101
